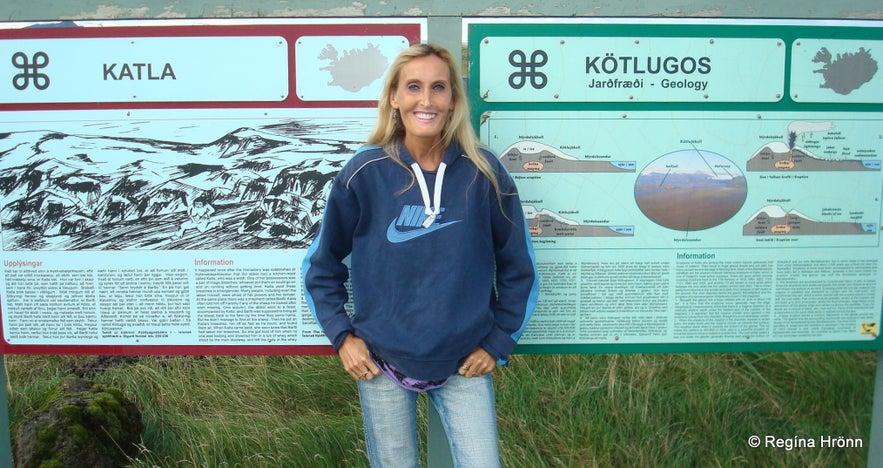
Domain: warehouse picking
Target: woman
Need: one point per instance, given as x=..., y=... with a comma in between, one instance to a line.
x=443, y=275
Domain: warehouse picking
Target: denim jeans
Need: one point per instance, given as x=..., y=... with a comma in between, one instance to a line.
x=465, y=406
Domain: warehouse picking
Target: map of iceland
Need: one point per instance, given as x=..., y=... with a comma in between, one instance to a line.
x=847, y=72
x=356, y=69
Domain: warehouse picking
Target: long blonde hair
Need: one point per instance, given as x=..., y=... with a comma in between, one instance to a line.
x=389, y=131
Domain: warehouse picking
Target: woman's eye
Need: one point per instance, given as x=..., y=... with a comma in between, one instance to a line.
x=413, y=87
x=439, y=88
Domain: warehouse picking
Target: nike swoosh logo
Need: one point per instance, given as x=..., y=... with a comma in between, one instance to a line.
x=395, y=236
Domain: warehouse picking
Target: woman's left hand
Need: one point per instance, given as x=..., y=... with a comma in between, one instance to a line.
x=479, y=362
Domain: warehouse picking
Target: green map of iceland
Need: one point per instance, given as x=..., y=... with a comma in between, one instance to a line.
x=847, y=72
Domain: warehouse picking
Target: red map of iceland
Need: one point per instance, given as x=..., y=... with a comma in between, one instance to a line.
x=356, y=69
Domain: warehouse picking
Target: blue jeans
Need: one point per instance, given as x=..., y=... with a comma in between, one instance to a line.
x=465, y=406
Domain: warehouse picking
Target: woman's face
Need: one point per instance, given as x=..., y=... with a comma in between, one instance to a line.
x=424, y=98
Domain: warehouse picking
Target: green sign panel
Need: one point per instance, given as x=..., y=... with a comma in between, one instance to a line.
x=692, y=186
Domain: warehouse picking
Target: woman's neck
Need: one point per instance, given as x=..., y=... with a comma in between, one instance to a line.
x=428, y=154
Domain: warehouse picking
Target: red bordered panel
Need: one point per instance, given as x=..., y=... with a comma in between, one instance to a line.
x=290, y=32
x=413, y=32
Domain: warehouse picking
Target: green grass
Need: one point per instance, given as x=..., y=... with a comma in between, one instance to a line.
x=554, y=410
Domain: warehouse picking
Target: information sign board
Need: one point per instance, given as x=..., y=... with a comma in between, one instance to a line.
x=161, y=180
x=692, y=185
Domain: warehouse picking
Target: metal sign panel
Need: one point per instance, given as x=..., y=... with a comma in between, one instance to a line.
x=731, y=201
x=161, y=180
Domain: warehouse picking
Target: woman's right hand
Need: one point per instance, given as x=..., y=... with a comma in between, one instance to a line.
x=356, y=359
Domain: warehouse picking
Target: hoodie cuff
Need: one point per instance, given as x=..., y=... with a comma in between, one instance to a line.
x=499, y=345
x=337, y=332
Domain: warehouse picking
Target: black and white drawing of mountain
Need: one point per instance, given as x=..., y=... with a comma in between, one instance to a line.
x=252, y=188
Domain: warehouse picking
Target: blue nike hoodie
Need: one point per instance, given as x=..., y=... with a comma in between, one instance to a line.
x=425, y=293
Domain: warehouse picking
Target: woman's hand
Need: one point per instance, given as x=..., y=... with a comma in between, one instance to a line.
x=479, y=362
x=356, y=359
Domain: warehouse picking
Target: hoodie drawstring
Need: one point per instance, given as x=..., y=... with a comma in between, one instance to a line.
x=430, y=210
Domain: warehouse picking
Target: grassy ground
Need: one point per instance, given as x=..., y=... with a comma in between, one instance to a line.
x=554, y=410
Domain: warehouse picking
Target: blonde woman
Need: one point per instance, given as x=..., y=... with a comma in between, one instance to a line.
x=443, y=273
